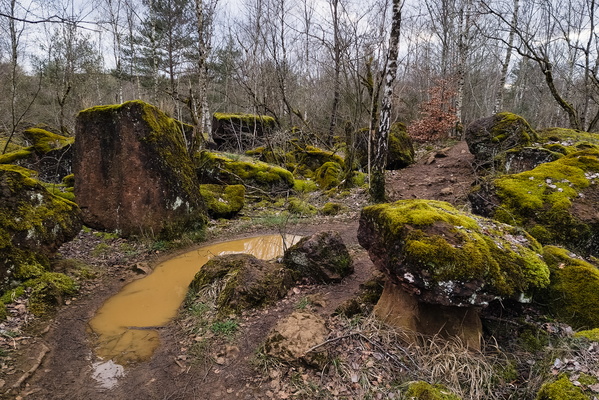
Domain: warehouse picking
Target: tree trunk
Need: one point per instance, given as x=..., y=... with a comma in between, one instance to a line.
x=337, y=69
x=506, y=62
x=381, y=139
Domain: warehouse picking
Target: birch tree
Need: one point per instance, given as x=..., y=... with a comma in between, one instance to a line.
x=381, y=139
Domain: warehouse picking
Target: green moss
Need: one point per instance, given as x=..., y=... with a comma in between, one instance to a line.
x=246, y=119
x=9, y=158
x=421, y=390
x=49, y=290
x=561, y=389
x=507, y=123
x=69, y=180
x=331, y=209
x=276, y=156
x=44, y=141
x=3, y=312
x=223, y=201
x=217, y=167
x=591, y=334
x=328, y=175
x=544, y=197
x=304, y=186
x=456, y=246
x=297, y=206
x=359, y=179
x=573, y=294
x=11, y=295
x=401, y=149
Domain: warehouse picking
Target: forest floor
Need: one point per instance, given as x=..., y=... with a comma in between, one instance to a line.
x=52, y=358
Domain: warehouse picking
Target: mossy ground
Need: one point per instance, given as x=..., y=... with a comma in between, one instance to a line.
x=561, y=389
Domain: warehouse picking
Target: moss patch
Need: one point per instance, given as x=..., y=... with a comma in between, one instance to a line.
x=220, y=168
x=298, y=206
x=9, y=158
x=401, y=148
x=425, y=391
x=49, y=290
x=44, y=141
x=331, y=209
x=561, y=389
x=591, y=334
x=573, y=294
x=328, y=175
x=223, y=201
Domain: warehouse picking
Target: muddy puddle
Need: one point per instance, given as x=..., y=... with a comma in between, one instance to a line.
x=126, y=326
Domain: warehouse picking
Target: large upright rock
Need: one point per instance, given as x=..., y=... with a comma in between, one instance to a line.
x=33, y=224
x=133, y=173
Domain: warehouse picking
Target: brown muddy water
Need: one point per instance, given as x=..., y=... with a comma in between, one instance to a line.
x=125, y=327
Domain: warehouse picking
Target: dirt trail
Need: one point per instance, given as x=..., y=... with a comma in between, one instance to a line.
x=65, y=372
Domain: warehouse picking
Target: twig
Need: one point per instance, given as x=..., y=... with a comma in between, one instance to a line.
x=31, y=371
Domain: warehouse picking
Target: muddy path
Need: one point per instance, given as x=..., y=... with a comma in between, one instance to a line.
x=65, y=370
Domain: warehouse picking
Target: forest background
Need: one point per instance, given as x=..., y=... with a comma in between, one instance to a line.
x=316, y=66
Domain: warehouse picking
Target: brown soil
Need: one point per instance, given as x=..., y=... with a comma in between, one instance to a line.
x=65, y=371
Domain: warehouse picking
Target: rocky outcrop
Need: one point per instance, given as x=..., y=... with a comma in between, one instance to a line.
x=489, y=137
x=132, y=172
x=433, y=254
x=555, y=202
x=33, y=224
x=322, y=258
x=247, y=282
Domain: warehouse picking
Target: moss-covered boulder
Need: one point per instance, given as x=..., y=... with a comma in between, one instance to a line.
x=561, y=389
x=133, y=173
x=240, y=132
x=245, y=281
x=223, y=201
x=47, y=153
x=555, y=202
x=33, y=224
x=322, y=258
x=221, y=168
x=442, y=265
x=305, y=160
x=488, y=137
x=573, y=294
x=450, y=257
x=401, y=147
x=328, y=175
x=301, y=207
x=567, y=141
x=421, y=390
